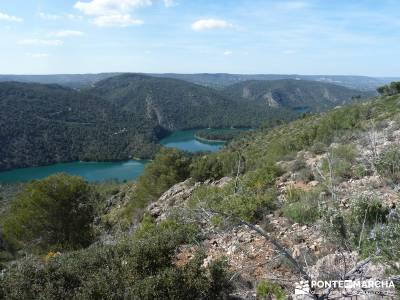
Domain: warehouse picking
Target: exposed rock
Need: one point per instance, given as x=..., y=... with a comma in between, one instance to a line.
x=177, y=195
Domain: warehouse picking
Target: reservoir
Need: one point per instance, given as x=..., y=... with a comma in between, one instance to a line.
x=102, y=171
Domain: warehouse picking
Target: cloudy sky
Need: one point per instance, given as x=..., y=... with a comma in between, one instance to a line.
x=358, y=37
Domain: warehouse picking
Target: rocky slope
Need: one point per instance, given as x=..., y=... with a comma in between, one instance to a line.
x=337, y=179
x=296, y=94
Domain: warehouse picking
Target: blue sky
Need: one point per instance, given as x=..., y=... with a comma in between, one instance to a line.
x=190, y=36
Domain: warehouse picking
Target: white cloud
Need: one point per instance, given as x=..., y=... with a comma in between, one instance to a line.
x=49, y=17
x=37, y=55
x=73, y=17
x=116, y=20
x=228, y=52
x=55, y=17
x=67, y=33
x=8, y=18
x=114, y=13
x=109, y=7
x=169, y=3
x=40, y=42
x=210, y=24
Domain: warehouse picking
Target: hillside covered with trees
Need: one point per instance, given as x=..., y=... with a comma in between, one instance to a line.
x=313, y=198
x=296, y=94
x=120, y=118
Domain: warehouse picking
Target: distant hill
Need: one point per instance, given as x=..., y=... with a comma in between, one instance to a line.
x=296, y=94
x=44, y=124
x=121, y=117
x=221, y=80
x=176, y=104
x=218, y=80
x=75, y=81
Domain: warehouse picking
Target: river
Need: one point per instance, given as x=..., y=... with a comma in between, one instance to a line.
x=102, y=171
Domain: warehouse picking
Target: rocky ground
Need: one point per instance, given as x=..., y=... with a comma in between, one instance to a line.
x=253, y=258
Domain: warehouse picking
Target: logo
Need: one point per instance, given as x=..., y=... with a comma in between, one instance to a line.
x=302, y=288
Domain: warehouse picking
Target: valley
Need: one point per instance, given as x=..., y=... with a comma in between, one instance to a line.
x=108, y=171
x=126, y=116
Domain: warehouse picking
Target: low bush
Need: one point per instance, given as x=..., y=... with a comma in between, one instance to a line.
x=139, y=268
x=246, y=204
x=55, y=213
x=270, y=290
x=388, y=164
x=169, y=167
x=302, y=207
x=213, y=166
x=318, y=148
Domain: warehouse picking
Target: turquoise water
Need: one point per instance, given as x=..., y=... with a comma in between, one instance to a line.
x=184, y=140
x=100, y=171
x=91, y=171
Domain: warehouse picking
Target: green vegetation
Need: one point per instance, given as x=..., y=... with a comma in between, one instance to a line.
x=169, y=167
x=267, y=290
x=390, y=89
x=51, y=214
x=141, y=267
x=213, y=166
x=45, y=124
x=218, y=135
x=388, y=164
x=144, y=264
x=294, y=94
x=301, y=206
x=117, y=119
x=255, y=197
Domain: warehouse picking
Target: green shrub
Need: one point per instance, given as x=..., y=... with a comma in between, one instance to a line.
x=53, y=213
x=213, y=166
x=340, y=162
x=388, y=164
x=305, y=175
x=139, y=268
x=298, y=165
x=294, y=194
x=246, y=204
x=262, y=178
x=347, y=152
x=368, y=211
x=318, y=148
x=269, y=290
x=302, y=207
x=169, y=167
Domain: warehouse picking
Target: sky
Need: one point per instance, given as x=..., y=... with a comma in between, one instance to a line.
x=348, y=37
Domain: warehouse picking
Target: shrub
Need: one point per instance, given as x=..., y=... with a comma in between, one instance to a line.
x=269, y=290
x=262, y=178
x=246, y=204
x=389, y=90
x=298, y=165
x=213, y=166
x=388, y=164
x=341, y=161
x=139, y=268
x=53, y=213
x=318, y=148
x=305, y=175
x=302, y=207
x=370, y=210
x=169, y=167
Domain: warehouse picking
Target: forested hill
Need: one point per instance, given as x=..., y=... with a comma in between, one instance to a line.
x=43, y=124
x=121, y=117
x=290, y=93
x=176, y=104
x=216, y=80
